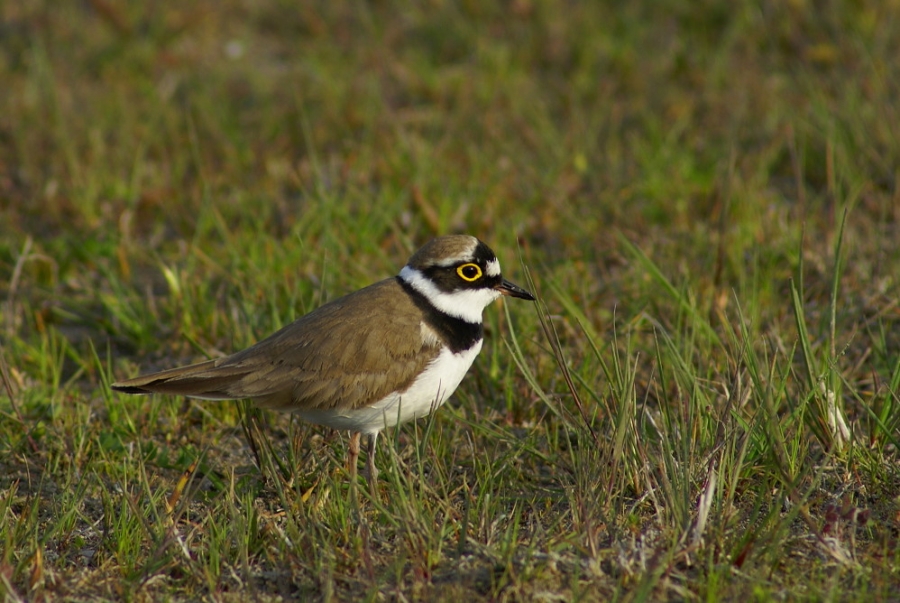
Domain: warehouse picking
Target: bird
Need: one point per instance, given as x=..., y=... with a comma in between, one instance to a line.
x=386, y=354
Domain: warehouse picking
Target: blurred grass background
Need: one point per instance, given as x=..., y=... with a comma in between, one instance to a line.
x=705, y=194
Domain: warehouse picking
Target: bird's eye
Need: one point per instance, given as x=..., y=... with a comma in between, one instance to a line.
x=469, y=272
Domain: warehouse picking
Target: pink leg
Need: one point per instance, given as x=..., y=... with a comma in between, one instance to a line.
x=353, y=454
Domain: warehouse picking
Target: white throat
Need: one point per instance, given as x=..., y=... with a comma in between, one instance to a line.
x=467, y=304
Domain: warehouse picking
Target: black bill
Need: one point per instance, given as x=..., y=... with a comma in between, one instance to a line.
x=507, y=288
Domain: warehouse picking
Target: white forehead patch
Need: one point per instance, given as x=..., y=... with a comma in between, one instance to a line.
x=493, y=268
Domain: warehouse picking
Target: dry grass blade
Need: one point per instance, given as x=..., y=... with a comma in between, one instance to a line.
x=10, y=392
x=552, y=337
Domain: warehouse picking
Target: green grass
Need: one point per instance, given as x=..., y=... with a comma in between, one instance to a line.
x=704, y=196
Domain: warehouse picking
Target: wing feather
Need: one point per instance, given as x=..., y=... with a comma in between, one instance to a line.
x=346, y=354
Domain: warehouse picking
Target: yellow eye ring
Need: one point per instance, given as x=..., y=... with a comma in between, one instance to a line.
x=469, y=272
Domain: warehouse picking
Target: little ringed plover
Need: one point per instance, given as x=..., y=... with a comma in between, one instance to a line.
x=386, y=354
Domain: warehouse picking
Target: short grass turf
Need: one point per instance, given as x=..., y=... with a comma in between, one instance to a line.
x=703, y=404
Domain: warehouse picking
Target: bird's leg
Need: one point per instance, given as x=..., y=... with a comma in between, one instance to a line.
x=371, y=469
x=353, y=454
x=352, y=458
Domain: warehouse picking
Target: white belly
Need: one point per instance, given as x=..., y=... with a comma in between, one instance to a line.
x=431, y=389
